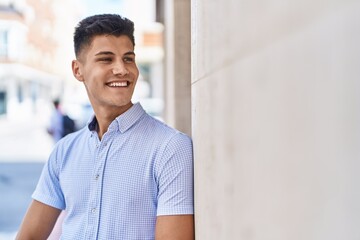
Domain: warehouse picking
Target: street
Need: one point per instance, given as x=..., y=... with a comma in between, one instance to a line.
x=17, y=182
x=24, y=148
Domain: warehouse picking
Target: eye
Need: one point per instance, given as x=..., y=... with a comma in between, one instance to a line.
x=129, y=59
x=105, y=60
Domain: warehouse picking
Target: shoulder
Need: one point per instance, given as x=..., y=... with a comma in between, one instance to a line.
x=71, y=140
x=165, y=133
x=159, y=126
x=172, y=143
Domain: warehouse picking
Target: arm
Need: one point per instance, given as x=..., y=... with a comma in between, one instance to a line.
x=175, y=227
x=175, y=213
x=38, y=221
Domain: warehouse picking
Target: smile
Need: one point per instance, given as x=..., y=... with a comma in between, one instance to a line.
x=118, y=84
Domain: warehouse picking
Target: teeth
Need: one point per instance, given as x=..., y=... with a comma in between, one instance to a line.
x=118, y=84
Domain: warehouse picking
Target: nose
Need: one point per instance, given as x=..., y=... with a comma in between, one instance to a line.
x=120, y=69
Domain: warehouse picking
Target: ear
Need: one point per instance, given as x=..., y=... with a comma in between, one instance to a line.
x=77, y=71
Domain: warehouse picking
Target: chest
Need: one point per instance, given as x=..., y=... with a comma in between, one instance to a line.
x=110, y=173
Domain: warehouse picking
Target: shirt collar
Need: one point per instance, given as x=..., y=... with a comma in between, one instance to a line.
x=124, y=121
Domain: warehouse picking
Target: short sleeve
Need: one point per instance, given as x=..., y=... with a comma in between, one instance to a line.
x=48, y=190
x=175, y=180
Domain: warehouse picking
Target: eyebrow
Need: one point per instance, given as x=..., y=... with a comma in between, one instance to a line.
x=111, y=53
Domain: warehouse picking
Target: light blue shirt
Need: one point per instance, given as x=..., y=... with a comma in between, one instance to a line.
x=115, y=188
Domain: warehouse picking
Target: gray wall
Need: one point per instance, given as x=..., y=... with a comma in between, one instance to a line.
x=276, y=119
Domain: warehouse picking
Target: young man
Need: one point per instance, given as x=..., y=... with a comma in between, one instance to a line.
x=125, y=175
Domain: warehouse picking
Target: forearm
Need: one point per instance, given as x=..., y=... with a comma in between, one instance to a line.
x=176, y=227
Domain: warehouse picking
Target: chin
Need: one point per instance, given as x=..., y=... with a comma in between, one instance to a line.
x=124, y=104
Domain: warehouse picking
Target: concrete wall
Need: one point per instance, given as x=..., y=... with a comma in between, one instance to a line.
x=276, y=119
x=178, y=64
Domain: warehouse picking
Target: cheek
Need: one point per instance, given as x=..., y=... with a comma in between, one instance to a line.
x=93, y=76
x=92, y=84
x=136, y=74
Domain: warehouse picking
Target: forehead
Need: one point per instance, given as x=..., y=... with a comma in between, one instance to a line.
x=117, y=45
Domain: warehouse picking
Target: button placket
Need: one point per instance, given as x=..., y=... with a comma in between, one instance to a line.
x=94, y=210
x=101, y=150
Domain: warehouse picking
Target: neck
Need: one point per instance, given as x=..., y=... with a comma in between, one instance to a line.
x=105, y=117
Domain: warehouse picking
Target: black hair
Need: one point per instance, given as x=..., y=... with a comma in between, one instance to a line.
x=101, y=24
x=56, y=103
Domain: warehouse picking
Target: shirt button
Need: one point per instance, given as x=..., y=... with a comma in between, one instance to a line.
x=97, y=177
x=93, y=210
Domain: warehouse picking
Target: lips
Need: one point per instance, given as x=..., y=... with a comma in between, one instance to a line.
x=118, y=84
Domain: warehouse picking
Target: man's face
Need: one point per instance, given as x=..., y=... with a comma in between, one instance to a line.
x=109, y=72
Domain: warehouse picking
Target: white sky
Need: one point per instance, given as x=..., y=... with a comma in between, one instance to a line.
x=103, y=6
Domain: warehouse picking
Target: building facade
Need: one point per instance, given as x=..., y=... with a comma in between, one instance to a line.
x=31, y=72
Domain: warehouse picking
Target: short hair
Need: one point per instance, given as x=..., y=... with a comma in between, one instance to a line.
x=56, y=103
x=101, y=24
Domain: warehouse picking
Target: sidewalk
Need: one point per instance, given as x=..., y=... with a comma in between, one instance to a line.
x=24, y=140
